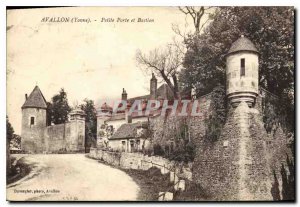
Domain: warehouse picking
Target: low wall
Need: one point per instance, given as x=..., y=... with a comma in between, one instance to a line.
x=141, y=162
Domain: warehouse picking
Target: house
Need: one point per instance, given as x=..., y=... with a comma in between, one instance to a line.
x=130, y=137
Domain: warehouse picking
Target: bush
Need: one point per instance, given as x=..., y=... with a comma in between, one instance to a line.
x=158, y=150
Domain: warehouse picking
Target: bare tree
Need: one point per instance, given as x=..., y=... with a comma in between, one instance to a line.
x=164, y=62
x=197, y=14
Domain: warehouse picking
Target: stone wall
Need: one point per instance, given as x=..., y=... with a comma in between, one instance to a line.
x=55, y=138
x=67, y=137
x=165, y=129
x=140, y=161
x=238, y=166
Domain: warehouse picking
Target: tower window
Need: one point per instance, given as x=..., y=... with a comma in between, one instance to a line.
x=31, y=120
x=242, y=67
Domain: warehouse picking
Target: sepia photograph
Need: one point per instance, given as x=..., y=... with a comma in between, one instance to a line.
x=186, y=103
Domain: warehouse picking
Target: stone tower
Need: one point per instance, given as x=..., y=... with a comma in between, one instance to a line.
x=102, y=116
x=153, y=87
x=238, y=165
x=34, y=122
x=242, y=72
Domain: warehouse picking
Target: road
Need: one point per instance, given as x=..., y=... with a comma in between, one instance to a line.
x=69, y=177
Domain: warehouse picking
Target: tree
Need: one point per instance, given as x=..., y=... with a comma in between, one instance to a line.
x=90, y=122
x=59, y=109
x=165, y=62
x=9, y=130
x=9, y=136
x=197, y=14
x=271, y=29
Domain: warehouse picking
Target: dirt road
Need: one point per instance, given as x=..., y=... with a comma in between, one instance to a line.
x=69, y=177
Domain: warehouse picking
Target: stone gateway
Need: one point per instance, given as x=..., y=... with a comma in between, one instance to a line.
x=37, y=137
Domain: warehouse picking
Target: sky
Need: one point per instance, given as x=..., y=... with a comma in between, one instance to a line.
x=89, y=60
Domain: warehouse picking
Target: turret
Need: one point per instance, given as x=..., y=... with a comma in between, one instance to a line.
x=242, y=72
x=153, y=87
x=34, y=122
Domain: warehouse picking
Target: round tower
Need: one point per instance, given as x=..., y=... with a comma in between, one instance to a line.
x=34, y=122
x=242, y=72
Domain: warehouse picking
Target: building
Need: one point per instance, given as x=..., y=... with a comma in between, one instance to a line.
x=242, y=72
x=130, y=137
x=242, y=164
x=109, y=124
x=246, y=162
x=38, y=137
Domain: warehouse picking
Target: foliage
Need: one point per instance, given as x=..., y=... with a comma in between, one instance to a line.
x=9, y=131
x=184, y=150
x=59, y=109
x=288, y=183
x=158, y=150
x=271, y=29
x=217, y=118
x=15, y=142
x=90, y=122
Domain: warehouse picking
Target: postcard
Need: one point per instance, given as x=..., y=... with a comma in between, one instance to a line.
x=190, y=103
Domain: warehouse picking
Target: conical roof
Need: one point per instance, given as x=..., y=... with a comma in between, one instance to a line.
x=106, y=107
x=242, y=44
x=35, y=100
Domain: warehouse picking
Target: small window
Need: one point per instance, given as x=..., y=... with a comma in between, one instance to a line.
x=242, y=67
x=31, y=120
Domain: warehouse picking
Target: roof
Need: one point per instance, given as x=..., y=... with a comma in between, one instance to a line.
x=242, y=44
x=76, y=111
x=35, y=100
x=106, y=107
x=163, y=92
x=129, y=130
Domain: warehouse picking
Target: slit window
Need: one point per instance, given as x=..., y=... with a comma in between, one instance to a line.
x=242, y=67
x=31, y=120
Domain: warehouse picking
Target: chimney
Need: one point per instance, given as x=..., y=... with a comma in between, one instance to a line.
x=153, y=87
x=124, y=95
x=25, y=96
x=128, y=118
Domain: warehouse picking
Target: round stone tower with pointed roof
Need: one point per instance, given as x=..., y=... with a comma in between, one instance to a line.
x=242, y=72
x=34, y=122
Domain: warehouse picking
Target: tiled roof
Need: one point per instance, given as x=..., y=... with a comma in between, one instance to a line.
x=35, y=100
x=129, y=130
x=163, y=92
x=242, y=44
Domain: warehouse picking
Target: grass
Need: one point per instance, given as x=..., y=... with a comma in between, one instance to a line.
x=151, y=182
x=20, y=170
